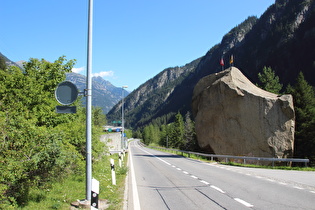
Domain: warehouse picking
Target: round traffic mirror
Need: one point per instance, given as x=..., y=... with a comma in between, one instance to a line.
x=66, y=93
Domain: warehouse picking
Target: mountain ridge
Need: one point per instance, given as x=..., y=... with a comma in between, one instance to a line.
x=104, y=94
x=283, y=35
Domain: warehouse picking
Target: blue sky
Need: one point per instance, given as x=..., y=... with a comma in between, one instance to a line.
x=133, y=40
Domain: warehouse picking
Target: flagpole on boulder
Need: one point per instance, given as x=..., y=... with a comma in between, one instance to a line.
x=222, y=63
x=231, y=61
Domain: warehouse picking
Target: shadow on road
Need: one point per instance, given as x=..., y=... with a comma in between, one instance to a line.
x=160, y=156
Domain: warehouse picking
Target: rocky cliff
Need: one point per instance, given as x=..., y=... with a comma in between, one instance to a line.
x=148, y=100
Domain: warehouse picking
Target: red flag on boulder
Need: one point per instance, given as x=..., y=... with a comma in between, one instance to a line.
x=222, y=61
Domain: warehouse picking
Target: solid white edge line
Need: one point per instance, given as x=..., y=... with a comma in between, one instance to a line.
x=135, y=195
x=243, y=202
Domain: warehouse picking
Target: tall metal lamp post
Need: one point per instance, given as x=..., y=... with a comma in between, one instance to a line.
x=89, y=105
x=122, y=117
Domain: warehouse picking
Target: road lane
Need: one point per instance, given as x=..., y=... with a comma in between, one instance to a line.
x=166, y=181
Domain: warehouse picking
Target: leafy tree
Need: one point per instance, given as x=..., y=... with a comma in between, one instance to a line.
x=304, y=102
x=129, y=133
x=151, y=134
x=163, y=136
x=38, y=144
x=146, y=135
x=269, y=81
x=31, y=153
x=137, y=134
x=99, y=119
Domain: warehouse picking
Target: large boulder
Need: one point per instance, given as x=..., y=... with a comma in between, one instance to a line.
x=235, y=117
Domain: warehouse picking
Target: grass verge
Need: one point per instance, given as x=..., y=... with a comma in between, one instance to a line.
x=59, y=195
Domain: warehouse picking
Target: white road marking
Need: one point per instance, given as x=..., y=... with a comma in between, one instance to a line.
x=216, y=188
x=135, y=195
x=282, y=183
x=259, y=177
x=179, y=169
x=312, y=191
x=299, y=188
x=243, y=202
x=192, y=176
x=160, y=159
x=185, y=172
x=202, y=181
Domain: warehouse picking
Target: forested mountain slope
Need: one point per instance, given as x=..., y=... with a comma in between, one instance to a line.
x=282, y=38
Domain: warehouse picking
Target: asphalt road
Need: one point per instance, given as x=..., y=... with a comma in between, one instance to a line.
x=159, y=180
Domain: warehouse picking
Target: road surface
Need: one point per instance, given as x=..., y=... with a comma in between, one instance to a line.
x=159, y=180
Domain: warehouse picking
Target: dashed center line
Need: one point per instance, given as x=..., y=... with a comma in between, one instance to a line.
x=216, y=188
x=259, y=177
x=225, y=168
x=243, y=202
x=299, y=188
x=202, y=181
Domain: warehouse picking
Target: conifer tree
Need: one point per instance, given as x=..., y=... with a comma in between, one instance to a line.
x=304, y=104
x=269, y=81
x=179, y=131
x=189, y=134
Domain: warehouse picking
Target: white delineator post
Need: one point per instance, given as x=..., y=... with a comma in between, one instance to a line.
x=94, y=194
x=112, y=166
x=120, y=157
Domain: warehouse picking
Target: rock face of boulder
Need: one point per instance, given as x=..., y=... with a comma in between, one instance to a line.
x=235, y=117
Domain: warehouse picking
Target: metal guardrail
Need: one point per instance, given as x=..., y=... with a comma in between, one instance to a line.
x=244, y=158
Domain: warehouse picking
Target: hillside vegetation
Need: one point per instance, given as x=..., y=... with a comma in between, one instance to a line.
x=39, y=146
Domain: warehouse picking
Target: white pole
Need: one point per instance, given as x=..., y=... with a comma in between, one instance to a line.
x=89, y=105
